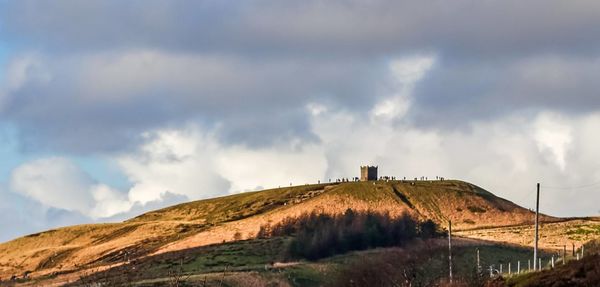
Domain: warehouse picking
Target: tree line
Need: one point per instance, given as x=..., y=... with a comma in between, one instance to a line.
x=319, y=235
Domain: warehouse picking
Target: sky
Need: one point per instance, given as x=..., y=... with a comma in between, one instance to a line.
x=111, y=108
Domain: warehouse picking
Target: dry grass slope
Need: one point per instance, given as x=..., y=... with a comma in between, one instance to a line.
x=210, y=221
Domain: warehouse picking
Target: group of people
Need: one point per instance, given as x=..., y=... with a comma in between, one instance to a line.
x=386, y=178
x=426, y=178
x=345, y=179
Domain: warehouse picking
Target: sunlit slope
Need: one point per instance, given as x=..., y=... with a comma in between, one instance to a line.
x=240, y=216
x=467, y=205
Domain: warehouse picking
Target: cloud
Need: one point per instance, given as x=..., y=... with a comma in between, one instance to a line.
x=193, y=100
x=194, y=163
x=466, y=28
x=405, y=73
x=26, y=216
x=57, y=182
x=173, y=161
x=157, y=65
x=553, y=135
x=455, y=94
x=102, y=102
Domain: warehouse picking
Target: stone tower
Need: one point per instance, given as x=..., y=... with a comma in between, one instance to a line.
x=368, y=173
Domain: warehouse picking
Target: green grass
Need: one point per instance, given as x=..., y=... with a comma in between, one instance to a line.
x=584, y=230
x=304, y=275
x=240, y=256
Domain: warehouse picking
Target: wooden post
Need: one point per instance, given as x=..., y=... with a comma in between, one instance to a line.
x=539, y=263
x=564, y=254
x=519, y=267
x=450, y=249
x=582, y=246
x=509, y=269
x=573, y=249
x=529, y=265
x=500, y=268
x=552, y=262
x=537, y=212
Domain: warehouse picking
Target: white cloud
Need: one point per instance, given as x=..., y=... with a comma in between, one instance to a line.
x=108, y=201
x=175, y=161
x=405, y=73
x=195, y=164
x=284, y=163
x=553, y=136
x=57, y=182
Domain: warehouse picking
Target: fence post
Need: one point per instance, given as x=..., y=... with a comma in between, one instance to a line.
x=509, y=269
x=519, y=267
x=528, y=265
x=500, y=268
x=540, y=263
x=552, y=261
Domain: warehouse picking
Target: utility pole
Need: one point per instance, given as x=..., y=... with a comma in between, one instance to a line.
x=450, y=248
x=537, y=214
x=478, y=265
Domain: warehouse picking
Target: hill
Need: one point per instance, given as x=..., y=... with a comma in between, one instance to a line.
x=235, y=217
x=583, y=272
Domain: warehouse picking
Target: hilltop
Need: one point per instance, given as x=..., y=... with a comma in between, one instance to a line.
x=239, y=216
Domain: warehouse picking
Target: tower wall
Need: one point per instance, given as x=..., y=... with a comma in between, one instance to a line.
x=368, y=173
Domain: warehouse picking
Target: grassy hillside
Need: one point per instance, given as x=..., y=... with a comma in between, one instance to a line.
x=239, y=216
x=238, y=263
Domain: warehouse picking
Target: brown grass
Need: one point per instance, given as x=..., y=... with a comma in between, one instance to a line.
x=240, y=216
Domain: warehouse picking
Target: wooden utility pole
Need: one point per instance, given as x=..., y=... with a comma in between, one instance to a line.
x=537, y=213
x=450, y=249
